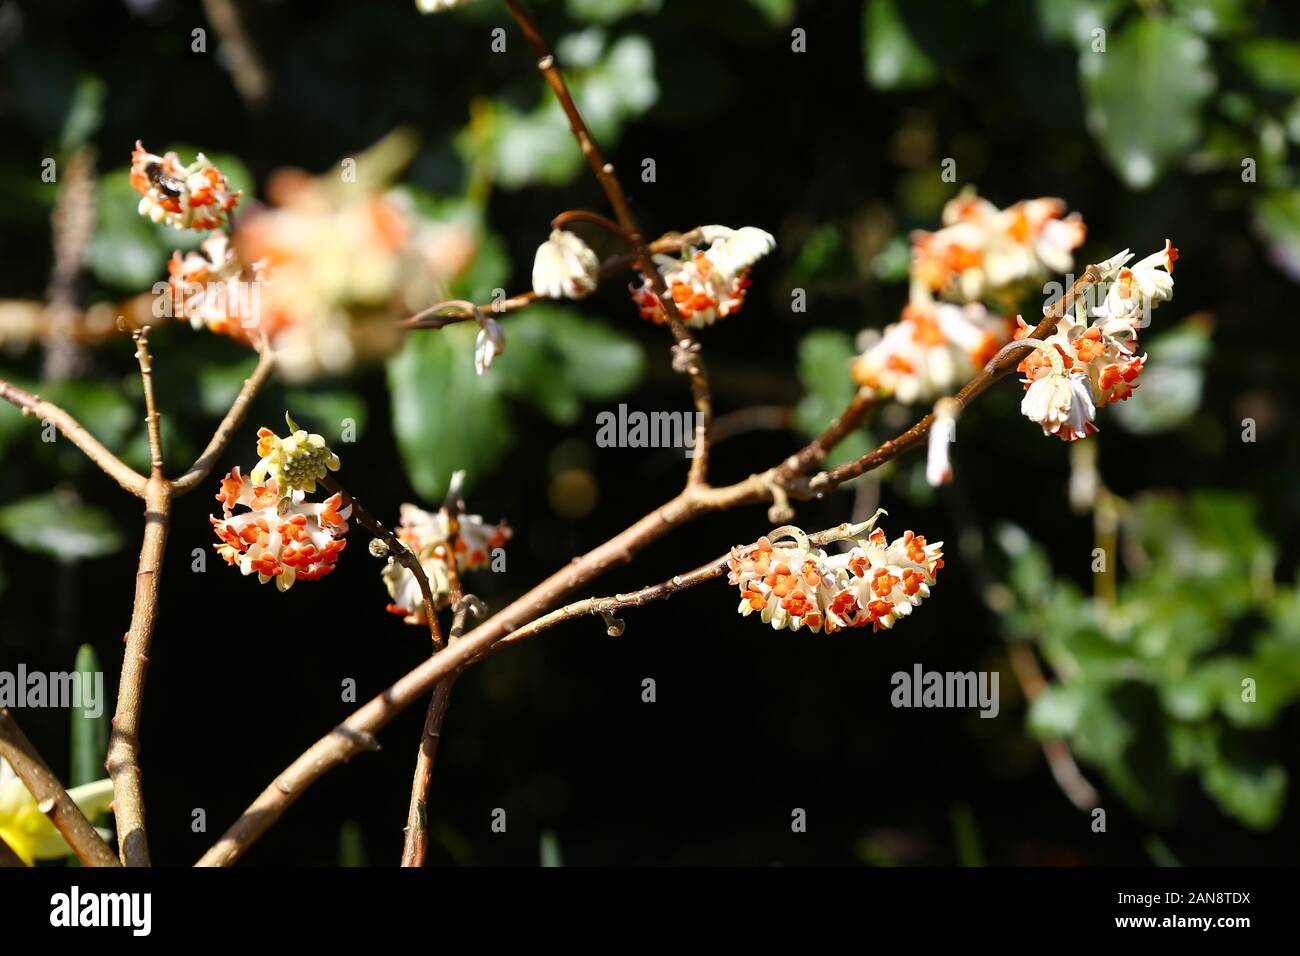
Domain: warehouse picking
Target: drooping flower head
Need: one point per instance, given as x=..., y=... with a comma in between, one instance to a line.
x=706, y=284
x=565, y=267
x=425, y=532
x=1090, y=359
x=296, y=462
x=196, y=196
x=793, y=585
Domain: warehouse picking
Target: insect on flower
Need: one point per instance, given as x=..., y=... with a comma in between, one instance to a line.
x=196, y=196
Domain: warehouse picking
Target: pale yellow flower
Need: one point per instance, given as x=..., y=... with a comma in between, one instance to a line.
x=29, y=832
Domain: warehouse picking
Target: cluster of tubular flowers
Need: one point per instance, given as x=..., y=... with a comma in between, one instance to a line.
x=321, y=270
x=963, y=279
x=213, y=289
x=1090, y=359
x=196, y=196
x=990, y=254
x=793, y=585
x=427, y=534
x=706, y=284
x=934, y=346
x=279, y=535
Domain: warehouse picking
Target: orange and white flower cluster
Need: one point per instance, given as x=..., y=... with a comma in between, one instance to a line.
x=706, y=284
x=983, y=253
x=1091, y=359
x=196, y=196
x=792, y=585
x=322, y=271
x=963, y=278
x=212, y=288
x=344, y=259
x=935, y=346
x=427, y=534
x=279, y=535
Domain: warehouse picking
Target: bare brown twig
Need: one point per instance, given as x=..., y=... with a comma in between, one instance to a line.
x=51, y=797
x=1060, y=760
x=234, y=418
x=124, y=742
x=71, y=429
x=442, y=314
x=416, y=841
x=152, y=420
x=123, y=761
x=400, y=552
x=595, y=218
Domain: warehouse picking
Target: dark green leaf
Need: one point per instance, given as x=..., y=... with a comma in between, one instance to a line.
x=1171, y=383
x=825, y=356
x=1273, y=63
x=1144, y=96
x=1073, y=21
x=556, y=358
x=892, y=57
x=1245, y=787
x=444, y=415
x=1277, y=220
x=65, y=529
x=89, y=734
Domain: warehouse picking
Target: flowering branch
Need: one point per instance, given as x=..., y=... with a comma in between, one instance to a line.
x=442, y=314
x=51, y=797
x=686, y=358
x=520, y=619
x=997, y=368
x=400, y=552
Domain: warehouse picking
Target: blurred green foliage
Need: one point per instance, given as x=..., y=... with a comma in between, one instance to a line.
x=1200, y=652
x=89, y=744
